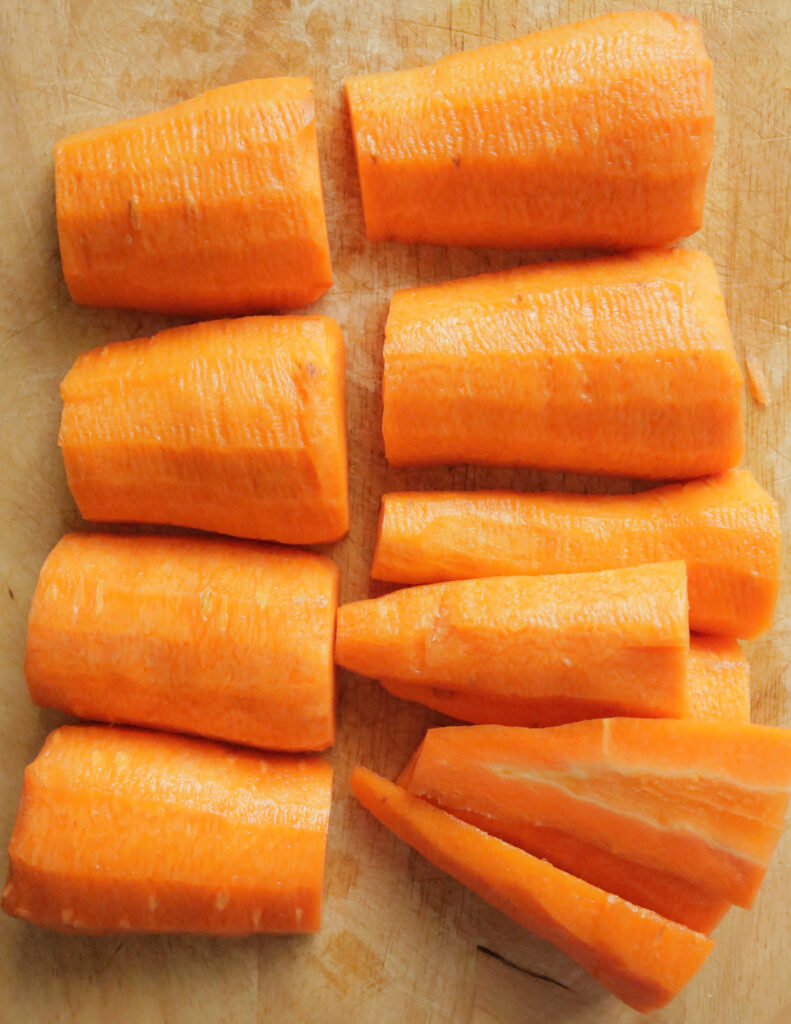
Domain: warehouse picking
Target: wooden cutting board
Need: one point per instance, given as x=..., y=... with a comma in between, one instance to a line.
x=401, y=943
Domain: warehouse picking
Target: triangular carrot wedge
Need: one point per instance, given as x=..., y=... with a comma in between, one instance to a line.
x=639, y=956
x=703, y=801
x=718, y=688
x=664, y=893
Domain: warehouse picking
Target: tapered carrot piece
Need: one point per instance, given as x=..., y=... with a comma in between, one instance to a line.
x=718, y=688
x=212, y=206
x=719, y=680
x=703, y=801
x=622, y=366
x=598, y=133
x=220, y=638
x=560, y=647
x=122, y=830
x=726, y=528
x=639, y=956
x=234, y=426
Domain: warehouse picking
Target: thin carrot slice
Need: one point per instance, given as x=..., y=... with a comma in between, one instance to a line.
x=233, y=426
x=598, y=133
x=718, y=688
x=123, y=830
x=212, y=206
x=621, y=366
x=220, y=638
x=556, y=647
x=726, y=528
x=639, y=956
x=703, y=801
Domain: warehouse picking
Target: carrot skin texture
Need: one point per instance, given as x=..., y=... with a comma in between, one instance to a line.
x=219, y=638
x=640, y=957
x=726, y=528
x=554, y=647
x=232, y=426
x=621, y=366
x=596, y=134
x=717, y=686
x=213, y=206
x=701, y=801
x=719, y=680
x=125, y=830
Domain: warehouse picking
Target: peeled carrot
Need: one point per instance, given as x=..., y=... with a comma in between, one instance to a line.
x=123, y=830
x=726, y=528
x=212, y=206
x=718, y=688
x=220, y=638
x=234, y=426
x=719, y=680
x=556, y=647
x=598, y=133
x=639, y=956
x=621, y=366
x=702, y=801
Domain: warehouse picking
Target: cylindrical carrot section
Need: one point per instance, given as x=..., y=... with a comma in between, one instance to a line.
x=556, y=648
x=233, y=426
x=726, y=528
x=220, y=638
x=622, y=366
x=120, y=830
x=212, y=206
x=598, y=133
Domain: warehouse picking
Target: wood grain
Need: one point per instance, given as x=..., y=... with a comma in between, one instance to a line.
x=400, y=941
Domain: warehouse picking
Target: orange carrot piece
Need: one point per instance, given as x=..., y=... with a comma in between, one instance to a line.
x=726, y=528
x=759, y=386
x=212, y=206
x=703, y=801
x=220, y=638
x=719, y=680
x=598, y=133
x=123, y=830
x=234, y=426
x=557, y=647
x=621, y=366
x=718, y=688
x=639, y=956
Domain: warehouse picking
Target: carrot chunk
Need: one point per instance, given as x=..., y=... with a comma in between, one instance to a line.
x=598, y=133
x=639, y=956
x=212, y=206
x=220, y=638
x=555, y=648
x=701, y=801
x=121, y=830
x=621, y=366
x=234, y=426
x=726, y=528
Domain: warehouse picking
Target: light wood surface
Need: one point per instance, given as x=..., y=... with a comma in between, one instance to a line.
x=401, y=942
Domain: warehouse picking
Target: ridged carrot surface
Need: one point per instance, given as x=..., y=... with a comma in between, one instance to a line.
x=719, y=680
x=703, y=801
x=726, y=528
x=558, y=647
x=621, y=366
x=123, y=830
x=639, y=956
x=220, y=638
x=233, y=426
x=718, y=688
x=598, y=133
x=212, y=206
